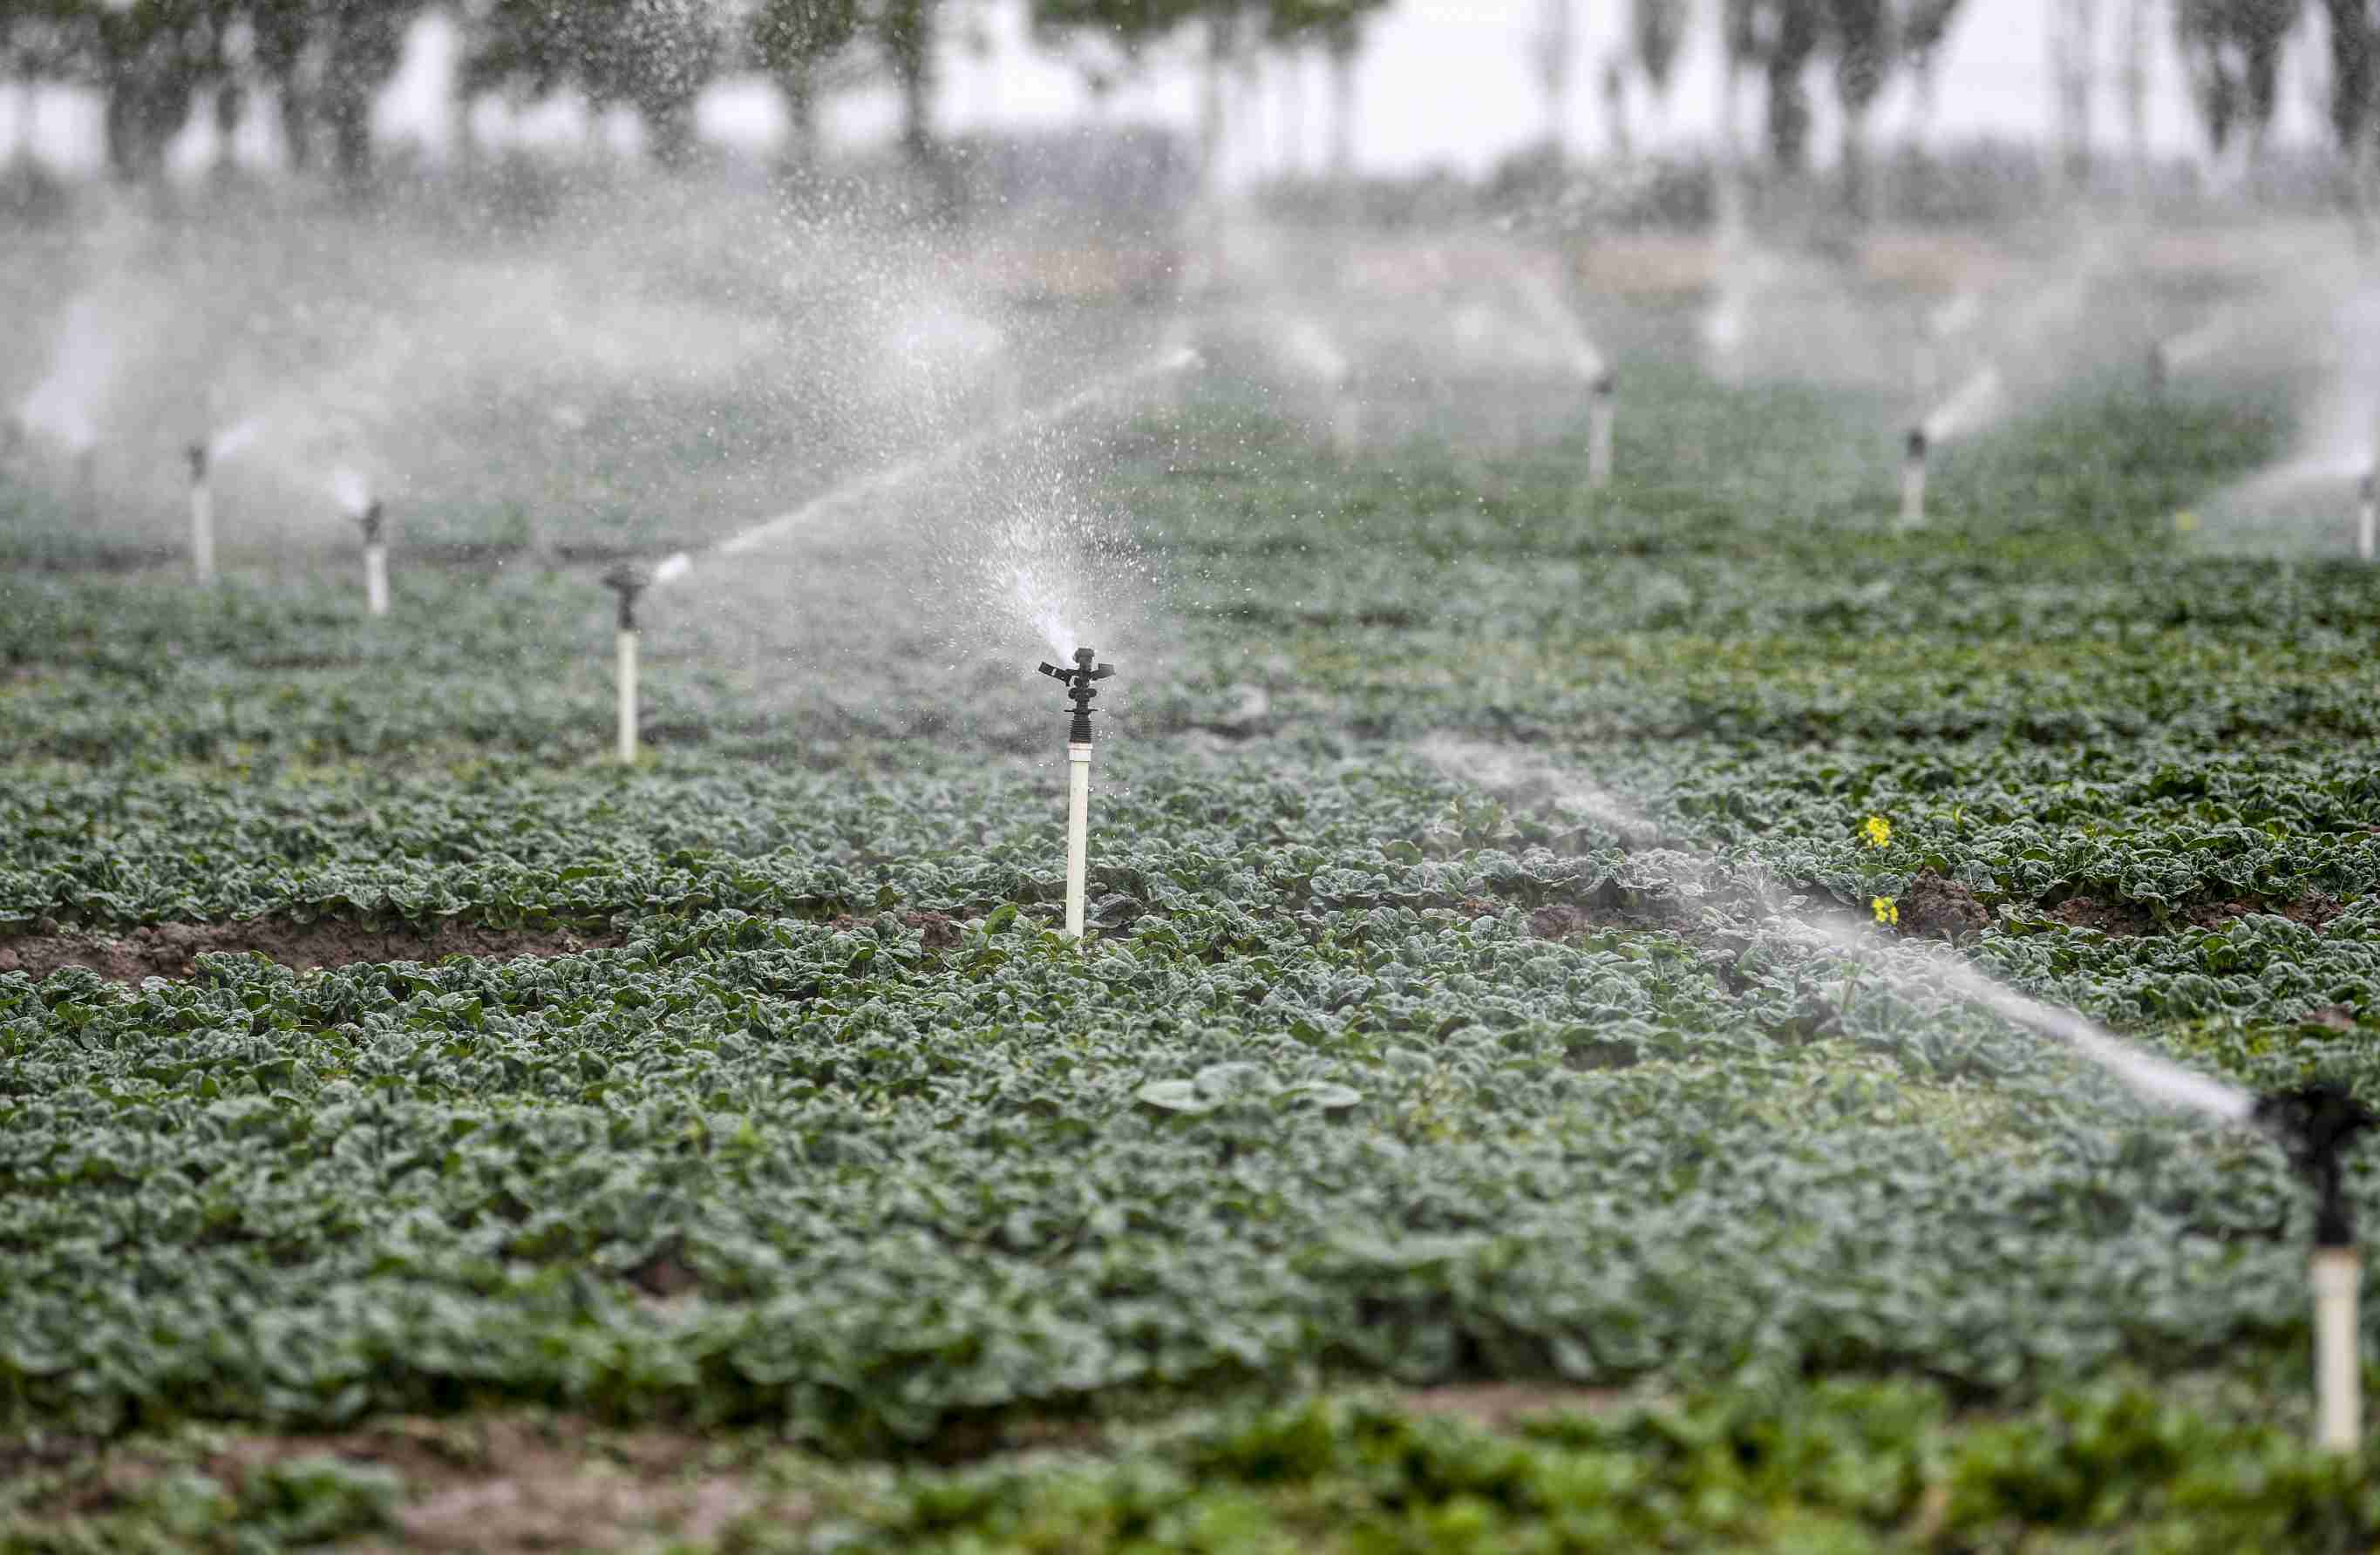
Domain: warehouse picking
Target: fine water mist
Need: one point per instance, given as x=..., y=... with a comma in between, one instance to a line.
x=2147, y=1076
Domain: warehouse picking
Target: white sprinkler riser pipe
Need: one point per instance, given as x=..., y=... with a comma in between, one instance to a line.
x=2367, y=517
x=376, y=579
x=627, y=694
x=2337, y=1273
x=1346, y=422
x=1078, y=832
x=202, y=530
x=1912, y=491
x=1599, y=416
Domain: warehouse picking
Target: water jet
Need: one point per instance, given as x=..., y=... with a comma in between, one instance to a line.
x=2315, y=1123
x=1079, y=692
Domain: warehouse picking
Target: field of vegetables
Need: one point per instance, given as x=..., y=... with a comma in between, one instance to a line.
x=1418, y=1155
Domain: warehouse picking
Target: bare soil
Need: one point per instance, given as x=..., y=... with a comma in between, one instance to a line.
x=2124, y=920
x=169, y=950
x=495, y=1485
x=1935, y=908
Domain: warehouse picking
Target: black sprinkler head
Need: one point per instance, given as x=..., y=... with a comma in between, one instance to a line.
x=1079, y=690
x=370, y=519
x=1917, y=443
x=1605, y=385
x=196, y=453
x=2368, y=486
x=2315, y=1124
x=628, y=580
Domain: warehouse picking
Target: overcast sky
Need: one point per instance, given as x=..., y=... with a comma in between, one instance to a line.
x=1443, y=83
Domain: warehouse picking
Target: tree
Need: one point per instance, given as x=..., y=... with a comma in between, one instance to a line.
x=1924, y=25
x=1551, y=50
x=2354, y=38
x=2073, y=26
x=654, y=56
x=1780, y=37
x=1862, y=31
x=1658, y=29
x=1338, y=27
x=905, y=31
x=2233, y=51
x=793, y=40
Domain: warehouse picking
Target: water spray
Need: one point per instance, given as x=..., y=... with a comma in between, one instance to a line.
x=1912, y=481
x=2315, y=1124
x=1164, y=365
x=1079, y=691
x=1601, y=404
x=202, y=516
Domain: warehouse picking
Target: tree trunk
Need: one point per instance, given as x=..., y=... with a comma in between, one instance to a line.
x=799, y=85
x=1553, y=51
x=349, y=112
x=669, y=130
x=2072, y=30
x=1343, y=116
x=296, y=124
x=1854, y=157
x=1210, y=112
x=2136, y=87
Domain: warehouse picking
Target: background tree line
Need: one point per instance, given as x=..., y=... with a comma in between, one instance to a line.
x=320, y=63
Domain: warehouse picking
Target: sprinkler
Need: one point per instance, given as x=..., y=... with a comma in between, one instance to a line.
x=87, y=484
x=1346, y=414
x=1912, y=481
x=2367, y=512
x=1602, y=397
x=2160, y=370
x=203, y=516
x=1079, y=691
x=2314, y=1125
x=371, y=521
x=628, y=580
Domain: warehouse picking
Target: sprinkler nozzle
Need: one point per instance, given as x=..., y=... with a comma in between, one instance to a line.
x=1079, y=690
x=369, y=521
x=196, y=453
x=1917, y=440
x=2315, y=1123
x=1605, y=384
x=628, y=580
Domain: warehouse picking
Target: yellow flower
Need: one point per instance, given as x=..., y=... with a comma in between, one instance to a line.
x=2186, y=522
x=1887, y=910
x=1878, y=830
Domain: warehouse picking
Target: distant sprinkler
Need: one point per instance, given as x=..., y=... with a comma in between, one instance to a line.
x=2160, y=371
x=1079, y=691
x=2367, y=512
x=1912, y=481
x=628, y=581
x=2314, y=1125
x=86, y=479
x=1346, y=414
x=1602, y=402
x=203, y=516
x=372, y=521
